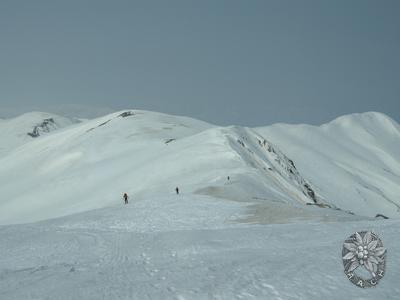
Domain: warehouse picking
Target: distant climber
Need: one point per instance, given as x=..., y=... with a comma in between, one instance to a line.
x=228, y=178
x=177, y=190
x=126, y=198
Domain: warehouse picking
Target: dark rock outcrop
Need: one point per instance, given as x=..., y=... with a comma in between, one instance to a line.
x=126, y=114
x=381, y=216
x=169, y=141
x=46, y=126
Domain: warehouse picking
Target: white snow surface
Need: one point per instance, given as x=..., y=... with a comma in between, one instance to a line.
x=353, y=161
x=145, y=154
x=66, y=234
x=14, y=132
x=185, y=248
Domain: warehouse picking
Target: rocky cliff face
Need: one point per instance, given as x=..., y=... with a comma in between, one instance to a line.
x=271, y=162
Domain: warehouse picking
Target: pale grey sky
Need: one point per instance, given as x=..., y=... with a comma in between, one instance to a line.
x=227, y=62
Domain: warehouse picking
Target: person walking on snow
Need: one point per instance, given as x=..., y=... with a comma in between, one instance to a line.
x=177, y=190
x=126, y=198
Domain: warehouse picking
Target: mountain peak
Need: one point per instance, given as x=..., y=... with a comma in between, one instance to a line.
x=364, y=119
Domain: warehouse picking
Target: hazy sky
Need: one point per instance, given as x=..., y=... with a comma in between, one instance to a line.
x=228, y=62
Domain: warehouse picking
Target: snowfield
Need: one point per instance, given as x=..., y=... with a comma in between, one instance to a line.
x=21, y=130
x=273, y=230
x=354, y=160
x=185, y=248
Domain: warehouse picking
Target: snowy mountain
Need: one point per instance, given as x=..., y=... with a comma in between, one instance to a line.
x=349, y=164
x=22, y=129
x=354, y=161
x=273, y=230
x=143, y=153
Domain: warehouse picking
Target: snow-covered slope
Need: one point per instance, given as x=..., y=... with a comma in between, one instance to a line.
x=20, y=130
x=208, y=242
x=351, y=164
x=185, y=248
x=145, y=154
x=354, y=161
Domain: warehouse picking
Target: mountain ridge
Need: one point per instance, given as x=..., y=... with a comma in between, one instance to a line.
x=88, y=165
